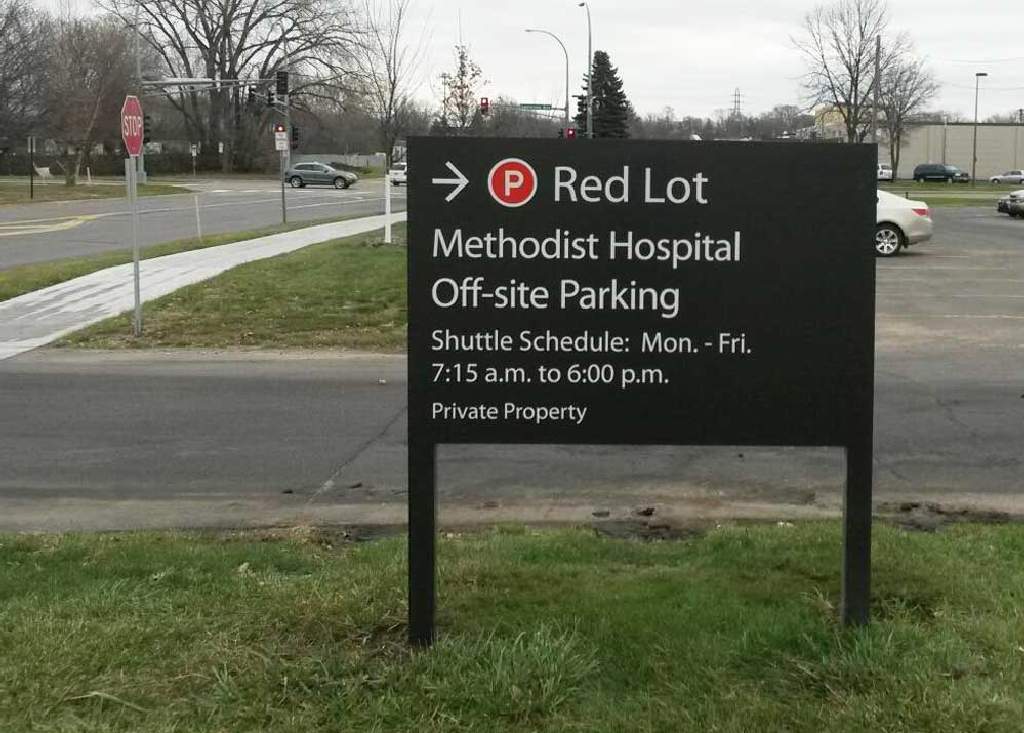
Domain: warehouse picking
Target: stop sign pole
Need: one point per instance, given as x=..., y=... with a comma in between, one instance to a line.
x=132, y=134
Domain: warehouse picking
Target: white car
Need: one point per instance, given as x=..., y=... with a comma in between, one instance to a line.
x=398, y=174
x=884, y=172
x=899, y=223
x=1008, y=177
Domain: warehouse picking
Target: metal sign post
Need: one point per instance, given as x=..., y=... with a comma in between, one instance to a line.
x=634, y=293
x=131, y=179
x=282, y=144
x=387, y=207
x=133, y=135
x=284, y=208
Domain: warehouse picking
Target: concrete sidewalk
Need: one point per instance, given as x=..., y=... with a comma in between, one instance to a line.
x=42, y=316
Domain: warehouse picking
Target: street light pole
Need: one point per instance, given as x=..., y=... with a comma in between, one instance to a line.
x=565, y=125
x=590, y=72
x=974, y=155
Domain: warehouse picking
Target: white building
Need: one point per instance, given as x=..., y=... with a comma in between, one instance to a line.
x=1000, y=148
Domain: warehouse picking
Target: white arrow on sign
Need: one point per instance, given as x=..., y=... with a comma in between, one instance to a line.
x=459, y=183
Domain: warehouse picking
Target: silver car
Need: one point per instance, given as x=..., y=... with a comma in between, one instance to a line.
x=1003, y=203
x=1008, y=177
x=306, y=174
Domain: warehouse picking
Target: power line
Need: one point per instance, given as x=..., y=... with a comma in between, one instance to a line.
x=986, y=61
x=984, y=87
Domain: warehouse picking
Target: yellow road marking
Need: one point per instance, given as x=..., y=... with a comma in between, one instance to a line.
x=44, y=226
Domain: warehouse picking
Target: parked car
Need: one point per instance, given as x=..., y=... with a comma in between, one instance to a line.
x=1014, y=197
x=1008, y=177
x=899, y=223
x=884, y=172
x=305, y=174
x=940, y=172
x=398, y=174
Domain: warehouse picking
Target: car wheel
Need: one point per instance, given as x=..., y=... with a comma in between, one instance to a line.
x=340, y=183
x=888, y=240
x=296, y=182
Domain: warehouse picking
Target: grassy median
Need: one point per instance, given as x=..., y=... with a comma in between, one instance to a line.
x=18, y=193
x=349, y=293
x=545, y=631
x=26, y=278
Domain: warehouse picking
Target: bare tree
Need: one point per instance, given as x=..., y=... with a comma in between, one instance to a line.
x=248, y=40
x=25, y=37
x=89, y=70
x=906, y=88
x=1014, y=117
x=507, y=119
x=389, y=68
x=838, y=45
x=459, y=94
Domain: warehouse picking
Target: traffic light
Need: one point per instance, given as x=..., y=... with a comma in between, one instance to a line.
x=270, y=98
x=570, y=133
x=295, y=137
x=282, y=83
x=485, y=106
x=147, y=123
x=279, y=127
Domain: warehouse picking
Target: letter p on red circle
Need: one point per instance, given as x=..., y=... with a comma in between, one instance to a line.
x=512, y=182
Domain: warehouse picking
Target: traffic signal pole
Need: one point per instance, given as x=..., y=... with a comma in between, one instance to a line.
x=139, y=90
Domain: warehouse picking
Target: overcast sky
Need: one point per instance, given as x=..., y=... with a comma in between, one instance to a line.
x=692, y=56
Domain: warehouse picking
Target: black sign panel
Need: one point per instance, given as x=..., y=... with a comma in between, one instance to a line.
x=633, y=292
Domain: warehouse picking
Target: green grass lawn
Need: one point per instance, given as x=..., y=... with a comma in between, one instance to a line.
x=950, y=194
x=344, y=294
x=17, y=193
x=542, y=631
x=952, y=188
x=26, y=278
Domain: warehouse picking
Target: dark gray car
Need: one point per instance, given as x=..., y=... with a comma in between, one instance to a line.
x=301, y=175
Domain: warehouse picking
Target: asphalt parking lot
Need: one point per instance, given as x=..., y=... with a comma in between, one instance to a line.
x=97, y=440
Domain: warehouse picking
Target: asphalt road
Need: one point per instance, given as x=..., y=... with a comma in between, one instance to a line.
x=51, y=231
x=154, y=439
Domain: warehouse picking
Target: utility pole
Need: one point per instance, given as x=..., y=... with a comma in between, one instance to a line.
x=31, y=166
x=877, y=84
x=590, y=72
x=974, y=155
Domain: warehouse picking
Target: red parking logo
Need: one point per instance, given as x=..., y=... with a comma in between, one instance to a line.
x=512, y=182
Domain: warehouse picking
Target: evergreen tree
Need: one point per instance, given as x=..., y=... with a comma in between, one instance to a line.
x=612, y=111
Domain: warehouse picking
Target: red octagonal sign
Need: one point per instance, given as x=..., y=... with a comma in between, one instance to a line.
x=131, y=125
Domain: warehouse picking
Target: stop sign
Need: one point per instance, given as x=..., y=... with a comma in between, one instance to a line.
x=131, y=125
